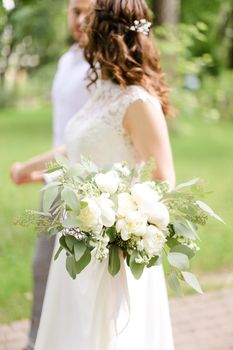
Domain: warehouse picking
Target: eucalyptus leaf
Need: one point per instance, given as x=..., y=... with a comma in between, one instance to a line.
x=114, y=263
x=174, y=283
x=153, y=261
x=70, y=242
x=70, y=266
x=58, y=252
x=136, y=269
x=49, y=197
x=191, y=279
x=180, y=248
x=111, y=232
x=209, y=211
x=83, y=262
x=79, y=249
x=51, y=184
x=183, y=230
x=178, y=260
x=187, y=184
x=70, y=222
x=71, y=199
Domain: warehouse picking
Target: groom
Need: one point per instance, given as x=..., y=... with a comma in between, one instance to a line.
x=69, y=94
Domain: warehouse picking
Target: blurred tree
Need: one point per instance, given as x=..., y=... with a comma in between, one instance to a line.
x=166, y=11
x=31, y=33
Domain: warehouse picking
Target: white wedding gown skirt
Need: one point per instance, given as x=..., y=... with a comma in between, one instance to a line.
x=96, y=311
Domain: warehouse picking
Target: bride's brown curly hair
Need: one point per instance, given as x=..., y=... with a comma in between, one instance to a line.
x=124, y=56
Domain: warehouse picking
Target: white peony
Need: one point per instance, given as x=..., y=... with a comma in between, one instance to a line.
x=158, y=215
x=134, y=223
x=153, y=241
x=144, y=195
x=126, y=204
x=108, y=182
x=107, y=212
x=90, y=216
x=147, y=200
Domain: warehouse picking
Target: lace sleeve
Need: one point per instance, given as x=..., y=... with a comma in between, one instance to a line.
x=134, y=94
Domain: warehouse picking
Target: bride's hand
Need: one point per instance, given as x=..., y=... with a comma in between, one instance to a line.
x=19, y=177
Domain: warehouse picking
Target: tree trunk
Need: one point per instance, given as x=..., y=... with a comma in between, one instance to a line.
x=166, y=11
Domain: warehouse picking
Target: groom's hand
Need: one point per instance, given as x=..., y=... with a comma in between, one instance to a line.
x=20, y=178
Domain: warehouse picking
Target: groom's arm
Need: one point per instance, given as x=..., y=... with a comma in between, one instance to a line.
x=33, y=169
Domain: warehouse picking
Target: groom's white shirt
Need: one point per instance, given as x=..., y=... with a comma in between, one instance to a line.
x=69, y=91
x=69, y=94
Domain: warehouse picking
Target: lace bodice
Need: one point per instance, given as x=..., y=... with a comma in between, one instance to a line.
x=97, y=132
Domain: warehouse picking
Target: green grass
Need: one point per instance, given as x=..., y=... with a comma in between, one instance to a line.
x=201, y=149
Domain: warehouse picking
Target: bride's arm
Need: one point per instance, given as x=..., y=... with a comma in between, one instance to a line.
x=32, y=169
x=147, y=128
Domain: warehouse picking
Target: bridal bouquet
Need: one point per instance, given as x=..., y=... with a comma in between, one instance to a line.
x=117, y=213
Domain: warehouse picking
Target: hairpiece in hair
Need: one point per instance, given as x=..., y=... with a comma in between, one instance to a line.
x=141, y=26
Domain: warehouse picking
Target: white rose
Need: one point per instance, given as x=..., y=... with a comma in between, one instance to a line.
x=108, y=182
x=107, y=212
x=153, y=241
x=125, y=204
x=90, y=216
x=134, y=223
x=158, y=215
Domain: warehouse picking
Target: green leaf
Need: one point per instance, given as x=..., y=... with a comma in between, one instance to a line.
x=136, y=269
x=114, y=263
x=70, y=266
x=191, y=279
x=187, y=184
x=58, y=252
x=153, y=261
x=178, y=260
x=174, y=283
x=183, y=230
x=53, y=168
x=83, y=262
x=79, y=249
x=171, y=242
x=70, y=222
x=51, y=184
x=49, y=197
x=180, y=248
x=63, y=161
x=111, y=232
x=209, y=211
x=70, y=242
x=70, y=199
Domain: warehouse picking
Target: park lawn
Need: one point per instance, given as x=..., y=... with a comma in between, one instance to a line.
x=201, y=149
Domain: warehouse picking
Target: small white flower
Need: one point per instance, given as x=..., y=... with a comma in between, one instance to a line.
x=108, y=182
x=123, y=169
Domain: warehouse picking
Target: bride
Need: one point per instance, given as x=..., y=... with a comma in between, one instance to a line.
x=123, y=121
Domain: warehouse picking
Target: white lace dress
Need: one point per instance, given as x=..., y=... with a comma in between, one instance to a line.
x=97, y=311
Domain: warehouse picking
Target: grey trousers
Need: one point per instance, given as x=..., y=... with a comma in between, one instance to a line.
x=41, y=264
